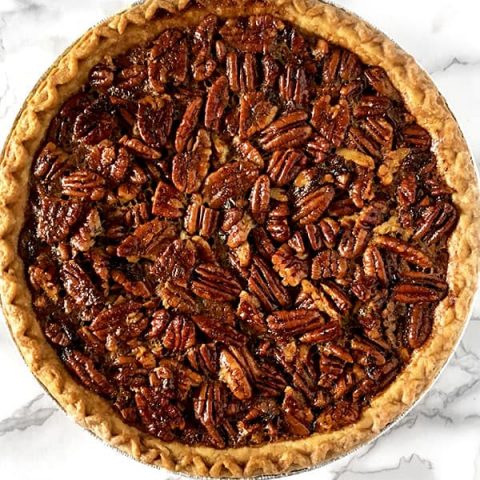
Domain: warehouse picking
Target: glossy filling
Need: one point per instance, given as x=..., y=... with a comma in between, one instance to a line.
x=238, y=234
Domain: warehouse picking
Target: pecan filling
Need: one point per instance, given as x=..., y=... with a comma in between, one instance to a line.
x=238, y=233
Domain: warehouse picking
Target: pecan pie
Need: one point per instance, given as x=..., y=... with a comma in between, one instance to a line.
x=251, y=235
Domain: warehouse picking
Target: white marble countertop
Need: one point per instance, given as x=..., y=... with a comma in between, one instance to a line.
x=439, y=439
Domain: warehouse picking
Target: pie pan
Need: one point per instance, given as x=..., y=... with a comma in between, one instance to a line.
x=142, y=23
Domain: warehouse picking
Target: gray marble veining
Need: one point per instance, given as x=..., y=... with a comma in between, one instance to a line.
x=33, y=414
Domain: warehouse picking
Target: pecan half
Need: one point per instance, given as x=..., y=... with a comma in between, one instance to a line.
x=290, y=130
x=208, y=408
x=147, y=240
x=43, y=278
x=176, y=262
x=111, y=163
x=180, y=334
x=78, y=284
x=380, y=131
x=188, y=124
x=291, y=268
x=218, y=330
x=293, y=85
x=177, y=298
x=284, y=166
x=436, y=223
x=139, y=148
x=329, y=264
x=277, y=223
x=361, y=159
x=84, y=239
x=256, y=113
x=234, y=376
x=56, y=218
x=250, y=154
x=168, y=60
x=190, y=168
x=353, y=242
x=266, y=286
x=371, y=106
x=334, y=303
x=331, y=121
x=85, y=370
x=215, y=283
x=50, y=163
x=297, y=414
x=326, y=333
x=379, y=80
x=203, y=358
x=101, y=76
x=419, y=287
x=256, y=35
x=217, y=100
x=250, y=313
x=415, y=136
x=83, y=184
x=167, y=202
x=238, y=233
x=154, y=120
x=96, y=123
x=408, y=252
x=295, y=322
x=260, y=199
x=419, y=325
x=374, y=265
x=118, y=320
x=230, y=181
x=312, y=206
x=201, y=219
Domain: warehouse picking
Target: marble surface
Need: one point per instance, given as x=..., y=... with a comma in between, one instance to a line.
x=439, y=439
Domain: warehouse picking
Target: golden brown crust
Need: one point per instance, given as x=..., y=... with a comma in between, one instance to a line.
x=141, y=23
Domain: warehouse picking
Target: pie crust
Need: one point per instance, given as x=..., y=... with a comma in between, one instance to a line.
x=140, y=24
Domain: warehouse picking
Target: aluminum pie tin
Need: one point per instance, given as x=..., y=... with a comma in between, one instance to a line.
x=299, y=471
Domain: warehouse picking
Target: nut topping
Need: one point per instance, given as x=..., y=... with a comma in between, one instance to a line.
x=238, y=234
x=190, y=168
x=233, y=375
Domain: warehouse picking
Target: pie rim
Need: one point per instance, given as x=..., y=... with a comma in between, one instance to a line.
x=137, y=25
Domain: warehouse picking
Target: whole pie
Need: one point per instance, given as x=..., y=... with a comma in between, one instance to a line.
x=236, y=238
